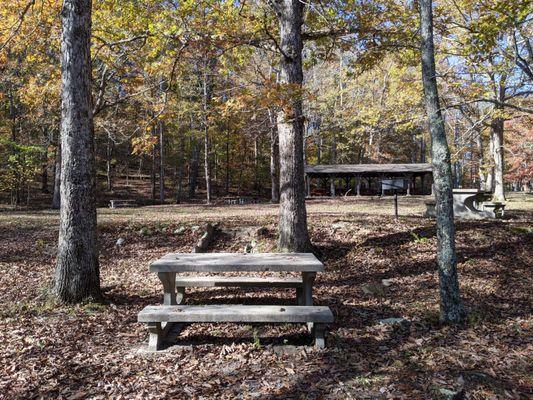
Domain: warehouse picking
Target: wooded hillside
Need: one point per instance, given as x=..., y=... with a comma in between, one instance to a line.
x=186, y=93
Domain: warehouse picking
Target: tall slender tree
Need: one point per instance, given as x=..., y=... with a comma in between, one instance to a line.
x=293, y=234
x=77, y=274
x=452, y=310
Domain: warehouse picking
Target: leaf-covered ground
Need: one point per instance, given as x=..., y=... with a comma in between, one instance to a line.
x=98, y=350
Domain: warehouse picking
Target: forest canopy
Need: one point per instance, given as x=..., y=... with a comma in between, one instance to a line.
x=181, y=88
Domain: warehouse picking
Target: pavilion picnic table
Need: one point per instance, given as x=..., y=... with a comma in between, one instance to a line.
x=161, y=317
x=470, y=204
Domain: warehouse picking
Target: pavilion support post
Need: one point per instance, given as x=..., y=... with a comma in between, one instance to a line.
x=358, y=185
x=382, y=186
x=308, y=185
x=332, y=186
x=409, y=183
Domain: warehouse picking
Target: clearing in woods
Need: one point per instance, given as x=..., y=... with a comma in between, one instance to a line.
x=376, y=268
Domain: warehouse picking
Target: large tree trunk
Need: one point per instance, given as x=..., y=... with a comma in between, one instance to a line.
x=56, y=198
x=497, y=153
x=274, y=161
x=451, y=307
x=77, y=275
x=293, y=234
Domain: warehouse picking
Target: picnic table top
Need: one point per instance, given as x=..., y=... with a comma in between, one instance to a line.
x=471, y=191
x=237, y=262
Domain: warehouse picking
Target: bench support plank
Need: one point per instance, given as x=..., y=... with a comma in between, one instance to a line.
x=240, y=282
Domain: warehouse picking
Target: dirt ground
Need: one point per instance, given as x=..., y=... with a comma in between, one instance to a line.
x=97, y=350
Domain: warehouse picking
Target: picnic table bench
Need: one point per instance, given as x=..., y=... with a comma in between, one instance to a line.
x=240, y=200
x=122, y=203
x=160, y=318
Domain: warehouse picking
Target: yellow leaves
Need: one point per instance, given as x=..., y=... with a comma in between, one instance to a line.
x=143, y=144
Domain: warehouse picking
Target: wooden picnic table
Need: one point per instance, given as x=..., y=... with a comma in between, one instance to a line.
x=174, y=263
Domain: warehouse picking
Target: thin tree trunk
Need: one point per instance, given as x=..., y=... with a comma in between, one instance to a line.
x=77, y=275
x=207, y=143
x=153, y=174
x=497, y=128
x=257, y=183
x=451, y=306
x=481, y=162
x=489, y=183
x=274, y=162
x=333, y=161
x=293, y=234
x=109, y=154
x=44, y=166
x=227, y=163
x=161, y=163
x=193, y=168
x=180, y=170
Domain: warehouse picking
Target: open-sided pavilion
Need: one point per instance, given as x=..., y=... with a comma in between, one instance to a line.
x=368, y=179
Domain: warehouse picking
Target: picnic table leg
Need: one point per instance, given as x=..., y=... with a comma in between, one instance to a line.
x=159, y=331
x=180, y=294
x=308, y=278
x=168, y=279
x=319, y=331
x=156, y=336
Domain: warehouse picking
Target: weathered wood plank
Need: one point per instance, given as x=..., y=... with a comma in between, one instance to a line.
x=237, y=281
x=236, y=313
x=228, y=262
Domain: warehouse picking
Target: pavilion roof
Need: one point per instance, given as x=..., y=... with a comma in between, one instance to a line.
x=368, y=169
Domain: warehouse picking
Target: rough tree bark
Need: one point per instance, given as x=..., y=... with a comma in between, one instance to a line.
x=293, y=234
x=451, y=306
x=77, y=275
x=56, y=198
x=497, y=129
x=274, y=160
